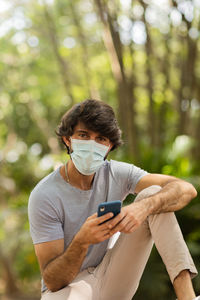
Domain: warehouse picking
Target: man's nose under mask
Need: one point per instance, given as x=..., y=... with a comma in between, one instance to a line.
x=88, y=156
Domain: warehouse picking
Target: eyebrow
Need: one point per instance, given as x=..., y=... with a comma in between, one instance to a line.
x=81, y=130
x=86, y=131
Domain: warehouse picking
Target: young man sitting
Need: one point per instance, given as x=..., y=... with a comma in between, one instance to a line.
x=72, y=242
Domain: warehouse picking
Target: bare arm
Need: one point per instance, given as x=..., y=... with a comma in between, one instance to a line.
x=59, y=267
x=175, y=194
x=62, y=268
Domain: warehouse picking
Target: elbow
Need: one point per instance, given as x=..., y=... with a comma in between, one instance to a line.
x=53, y=284
x=54, y=287
x=51, y=287
x=192, y=191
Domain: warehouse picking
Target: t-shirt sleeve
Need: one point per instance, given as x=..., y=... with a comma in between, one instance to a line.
x=126, y=175
x=135, y=175
x=45, y=222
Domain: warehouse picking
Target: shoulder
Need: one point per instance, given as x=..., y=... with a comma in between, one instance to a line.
x=119, y=166
x=125, y=173
x=48, y=182
x=44, y=190
x=119, y=170
x=122, y=168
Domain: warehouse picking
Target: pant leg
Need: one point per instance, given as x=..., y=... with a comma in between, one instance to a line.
x=171, y=245
x=118, y=275
x=122, y=267
x=169, y=240
x=82, y=287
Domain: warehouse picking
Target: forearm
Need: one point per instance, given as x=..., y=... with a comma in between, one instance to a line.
x=173, y=196
x=64, y=268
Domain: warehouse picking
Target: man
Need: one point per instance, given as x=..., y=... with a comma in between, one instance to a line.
x=71, y=242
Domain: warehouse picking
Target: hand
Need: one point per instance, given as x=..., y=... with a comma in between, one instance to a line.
x=93, y=232
x=130, y=218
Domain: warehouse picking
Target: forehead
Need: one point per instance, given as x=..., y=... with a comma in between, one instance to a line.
x=82, y=127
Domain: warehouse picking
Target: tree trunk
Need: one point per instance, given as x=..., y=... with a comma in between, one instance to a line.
x=151, y=110
x=64, y=70
x=196, y=135
x=124, y=86
x=44, y=126
x=92, y=90
x=165, y=69
x=8, y=276
x=188, y=78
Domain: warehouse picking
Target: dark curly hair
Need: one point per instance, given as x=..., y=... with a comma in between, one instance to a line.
x=96, y=116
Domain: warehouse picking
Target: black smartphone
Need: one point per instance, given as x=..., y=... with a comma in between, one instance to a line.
x=112, y=206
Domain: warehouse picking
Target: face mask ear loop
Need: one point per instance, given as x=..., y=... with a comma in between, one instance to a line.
x=107, y=152
x=70, y=148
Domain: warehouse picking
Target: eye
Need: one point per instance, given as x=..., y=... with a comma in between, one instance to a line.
x=82, y=135
x=101, y=139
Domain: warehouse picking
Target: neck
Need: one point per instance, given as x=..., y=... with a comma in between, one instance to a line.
x=75, y=178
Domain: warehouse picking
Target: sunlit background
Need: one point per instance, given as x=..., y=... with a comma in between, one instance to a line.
x=142, y=58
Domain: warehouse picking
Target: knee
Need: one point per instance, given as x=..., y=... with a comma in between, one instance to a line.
x=149, y=191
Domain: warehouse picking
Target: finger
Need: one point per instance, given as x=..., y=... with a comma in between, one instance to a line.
x=120, y=226
x=94, y=216
x=101, y=228
x=116, y=220
x=108, y=235
x=104, y=237
x=130, y=227
x=104, y=218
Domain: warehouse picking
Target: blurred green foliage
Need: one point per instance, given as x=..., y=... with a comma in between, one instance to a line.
x=52, y=55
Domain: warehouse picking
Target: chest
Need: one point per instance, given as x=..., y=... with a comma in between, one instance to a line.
x=76, y=208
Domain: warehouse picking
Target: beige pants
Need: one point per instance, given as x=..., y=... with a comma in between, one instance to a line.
x=117, y=277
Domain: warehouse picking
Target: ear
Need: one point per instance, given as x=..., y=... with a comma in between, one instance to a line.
x=110, y=147
x=66, y=140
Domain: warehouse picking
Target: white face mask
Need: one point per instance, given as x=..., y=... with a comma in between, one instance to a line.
x=88, y=156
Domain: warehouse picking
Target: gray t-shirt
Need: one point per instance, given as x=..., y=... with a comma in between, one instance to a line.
x=57, y=210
